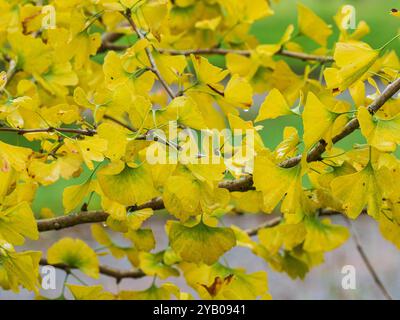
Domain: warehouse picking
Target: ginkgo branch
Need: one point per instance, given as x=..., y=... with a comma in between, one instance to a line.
x=105, y=270
x=109, y=45
x=275, y=221
x=368, y=263
x=67, y=221
x=84, y=132
x=219, y=51
x=154, y=69
x=315, y=153
x=122, y=124
x=242, y=184
x=12, y=69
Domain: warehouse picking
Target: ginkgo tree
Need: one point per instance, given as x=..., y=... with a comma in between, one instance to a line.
x=111, y=85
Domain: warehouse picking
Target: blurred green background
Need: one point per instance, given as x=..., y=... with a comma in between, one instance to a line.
x=374, y=12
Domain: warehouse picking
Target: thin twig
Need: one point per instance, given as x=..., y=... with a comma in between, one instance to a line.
x=12, y=69
x=122, y=124
x=315, y=153
x=247, y=53
x=367, y=262
x=109, y=45
x=154, y=69
x=267, y=224
x=105, y=270
x=88, y=132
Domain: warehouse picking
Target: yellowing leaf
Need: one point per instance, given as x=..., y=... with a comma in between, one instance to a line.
x=200, y=243
x=288, y=146
x=209, y=24
x=283, y=184
x=75, y=254
x=364, y=188
x=181, y=197
x=136, y=218
x=390, y=229
x=116, y=137
x=18, y=222
x=18, y=268
x=15, y=157
x=207, y=73
x=129, y=187
x=239, y=92
x=89, y=292
x=222, y=283
x=73, y=196
x=313, y=26
x=318, y=121
x=185, y=111
x=324, y=236
x=164, y=292
x=142, y=238
x=3, y=80
x=286, y=235
x=383, y=134
x=171, y=67
x=153, y=265
x=102, y=237
x=354, y=59
x=274, y=106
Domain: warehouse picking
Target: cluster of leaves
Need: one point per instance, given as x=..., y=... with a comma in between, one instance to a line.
x=84, y=112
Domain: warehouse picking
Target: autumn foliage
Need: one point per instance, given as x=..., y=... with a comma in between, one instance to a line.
x=97, y=91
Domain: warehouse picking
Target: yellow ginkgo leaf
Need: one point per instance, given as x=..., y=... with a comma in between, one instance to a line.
x=362, y=189
x=223, y=283
x=75, y=254
x=313, y=26
x=164, y=292
x=274, y=106
x=136, y=218
x=181, y=196
x=284, y=234
x=186, y=111
x=128, y=187
x=143, y=239
x=171, y=67
x=153, y=265
x=18, y=222
x=116, y=75
x=318, y=121
x=206, y=73
x=73, y=196
x=354, y=59
x=116, y=137
x=288, y=146
x=92, y=149
x=83, y=46
x=390, y=229
x=283, y=184
x=249, y=201
x=102, y=237
x=323, y=236
x=239, y=92
x=208, y=24
x=3, y=80
x=18, y=268
x=15, y=157
x=381, y=133
x=89, y=292
x=200, y=243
